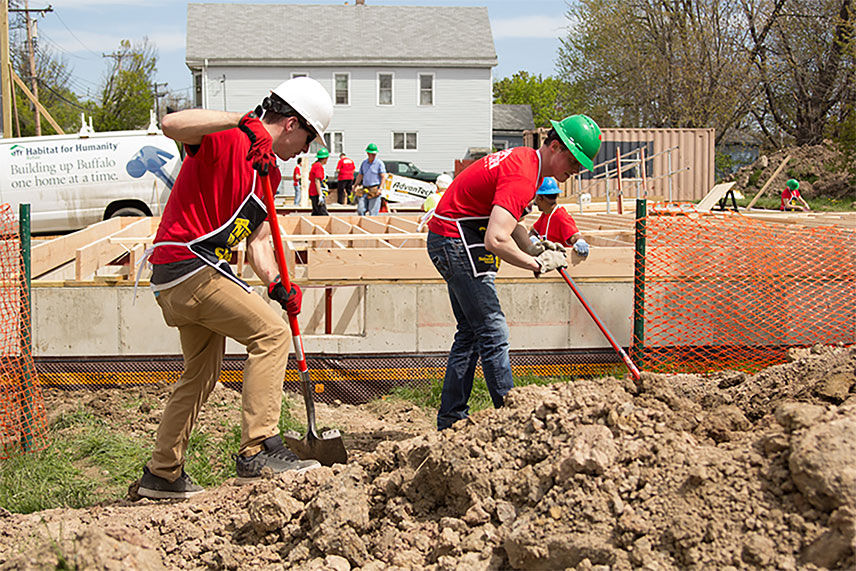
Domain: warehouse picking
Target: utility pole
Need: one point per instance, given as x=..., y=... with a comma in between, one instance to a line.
x=34, y=81
x=5, y=69
x=158, y=95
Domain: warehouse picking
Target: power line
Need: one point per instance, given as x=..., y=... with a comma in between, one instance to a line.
x=74, y=35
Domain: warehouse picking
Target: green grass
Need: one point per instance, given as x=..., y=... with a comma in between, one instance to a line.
x=819, y=204
x=428, y=395
x=90, y=461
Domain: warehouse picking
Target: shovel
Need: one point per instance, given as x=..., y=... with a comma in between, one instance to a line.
x=326, y=447
x=634, y=372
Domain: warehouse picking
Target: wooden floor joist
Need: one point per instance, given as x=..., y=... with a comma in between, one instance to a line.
x=343, y=248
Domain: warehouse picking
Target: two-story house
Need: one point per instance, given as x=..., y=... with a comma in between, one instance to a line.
x=416, y=81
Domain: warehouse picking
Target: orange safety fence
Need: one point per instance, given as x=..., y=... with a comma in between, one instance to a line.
x=728, y=291
x=23, y=425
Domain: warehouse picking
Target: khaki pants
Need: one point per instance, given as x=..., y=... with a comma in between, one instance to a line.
x=206, y=308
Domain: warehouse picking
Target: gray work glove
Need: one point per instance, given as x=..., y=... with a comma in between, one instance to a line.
x=581, y=247
x=550, y=260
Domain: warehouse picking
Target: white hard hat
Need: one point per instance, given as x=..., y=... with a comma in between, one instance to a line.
x=311, y=100
x=443, y=181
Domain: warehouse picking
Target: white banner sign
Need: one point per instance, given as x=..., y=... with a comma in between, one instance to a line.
x=402, y=189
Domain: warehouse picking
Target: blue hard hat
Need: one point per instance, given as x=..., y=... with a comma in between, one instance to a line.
x=549, y=186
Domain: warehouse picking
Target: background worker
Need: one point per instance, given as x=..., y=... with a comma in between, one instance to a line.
x=474, y=226
x=316, y=183
x=791, y=193
x=555, y=224
x=344, y=178
x=217, y=202
x=443, y=181
x=295, y=178
x=369, y=180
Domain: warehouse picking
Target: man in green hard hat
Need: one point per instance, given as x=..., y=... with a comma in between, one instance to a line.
x=368, y=183
x=475, y=225
x=792, y=193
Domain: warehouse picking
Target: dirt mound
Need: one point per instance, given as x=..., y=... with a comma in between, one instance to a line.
x=820, y=169
x=728, y=470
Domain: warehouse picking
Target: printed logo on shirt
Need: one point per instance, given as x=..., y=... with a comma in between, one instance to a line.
x=496, y=158
x=240, y=231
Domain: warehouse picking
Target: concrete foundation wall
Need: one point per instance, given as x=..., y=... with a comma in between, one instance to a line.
x=373, y=318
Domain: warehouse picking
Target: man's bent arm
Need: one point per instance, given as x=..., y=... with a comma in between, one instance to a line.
x=190, y=125
x=261, y=255
x=498, y=240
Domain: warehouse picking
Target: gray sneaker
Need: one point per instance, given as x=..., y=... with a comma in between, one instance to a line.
x=274, y=458
x=155, y=487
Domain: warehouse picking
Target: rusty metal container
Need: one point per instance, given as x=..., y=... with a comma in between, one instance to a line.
x=679, y=164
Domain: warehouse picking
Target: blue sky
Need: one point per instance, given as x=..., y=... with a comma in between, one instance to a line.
x=525, y=32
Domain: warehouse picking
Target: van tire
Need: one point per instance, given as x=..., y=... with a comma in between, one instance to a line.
x=128, y=211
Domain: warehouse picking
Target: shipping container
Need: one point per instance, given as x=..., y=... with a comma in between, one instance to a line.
x=679, y=164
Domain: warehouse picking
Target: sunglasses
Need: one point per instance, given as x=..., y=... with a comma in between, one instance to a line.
x=305, y=126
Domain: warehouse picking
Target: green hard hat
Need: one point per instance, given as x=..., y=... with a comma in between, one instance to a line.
x=372, y=148
x=793, y=184
x=581, y=135
x=322, y=153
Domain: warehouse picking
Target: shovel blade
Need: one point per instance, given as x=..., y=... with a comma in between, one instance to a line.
x=328, y=447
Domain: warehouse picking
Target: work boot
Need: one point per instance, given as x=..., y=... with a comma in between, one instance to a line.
x=274, y=458
x=155, y=487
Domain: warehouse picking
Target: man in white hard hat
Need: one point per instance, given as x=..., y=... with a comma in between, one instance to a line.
x=215, y=204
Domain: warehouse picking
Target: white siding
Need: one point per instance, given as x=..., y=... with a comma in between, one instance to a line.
x=460, y=117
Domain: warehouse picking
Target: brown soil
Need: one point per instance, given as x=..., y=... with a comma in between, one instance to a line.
x=820, y=169
x=680, y=471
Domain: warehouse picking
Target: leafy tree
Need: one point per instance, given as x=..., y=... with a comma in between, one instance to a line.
x=661, y=63
x=54, y=83
x=549, y=98
x=804, y=52
x=127, y=92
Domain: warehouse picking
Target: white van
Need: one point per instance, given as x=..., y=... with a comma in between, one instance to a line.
x=75, y=180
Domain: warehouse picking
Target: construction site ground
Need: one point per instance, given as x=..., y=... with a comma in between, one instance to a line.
x=723, y=471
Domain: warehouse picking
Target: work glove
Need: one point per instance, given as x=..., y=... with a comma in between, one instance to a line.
x=537, y=246
x=289, y=300
x=555, y=246
x=261, y=144
x=550, y=260
x=581, y=247
x=534, y=247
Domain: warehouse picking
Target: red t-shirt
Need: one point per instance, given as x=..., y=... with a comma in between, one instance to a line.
x=214, y=180
x=295, y=177
x=346, y=168
x=508, y=179
x=558, y=227
x=316, y=173
x=787, y=195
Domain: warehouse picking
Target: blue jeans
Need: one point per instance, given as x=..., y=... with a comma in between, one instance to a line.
x=482, y=332
x=297, y=195
x=368, y=206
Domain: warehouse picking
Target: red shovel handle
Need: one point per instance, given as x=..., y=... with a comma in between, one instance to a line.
x=634, y=372
x=279, y=251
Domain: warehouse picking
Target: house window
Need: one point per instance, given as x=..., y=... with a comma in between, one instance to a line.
x=404, y=141
x=384, y=89
x=426, y=89
x=197, y=89
x=342, y=83
x=335, y=141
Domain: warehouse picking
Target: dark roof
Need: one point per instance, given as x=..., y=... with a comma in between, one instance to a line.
x=512, y=117
x=292, y=34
